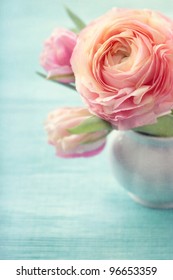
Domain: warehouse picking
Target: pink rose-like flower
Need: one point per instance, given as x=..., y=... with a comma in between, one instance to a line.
x=123, y=66
x=56, y=55
x=73, y=145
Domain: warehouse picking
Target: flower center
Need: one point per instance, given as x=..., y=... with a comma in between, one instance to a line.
x=118, y=54
x=120, y=57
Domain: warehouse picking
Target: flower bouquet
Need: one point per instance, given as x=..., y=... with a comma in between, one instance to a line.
x=121, y=64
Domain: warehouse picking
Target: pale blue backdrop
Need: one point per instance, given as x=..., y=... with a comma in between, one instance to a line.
x=52, y=208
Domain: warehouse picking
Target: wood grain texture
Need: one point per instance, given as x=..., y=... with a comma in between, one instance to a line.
x=52, y=208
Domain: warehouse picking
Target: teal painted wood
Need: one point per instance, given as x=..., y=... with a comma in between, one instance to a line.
x=52, y=208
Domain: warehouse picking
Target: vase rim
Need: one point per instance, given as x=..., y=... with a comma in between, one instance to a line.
x=151, y=136
x=144, y=138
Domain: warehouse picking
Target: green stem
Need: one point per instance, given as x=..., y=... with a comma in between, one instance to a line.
x=70, y=85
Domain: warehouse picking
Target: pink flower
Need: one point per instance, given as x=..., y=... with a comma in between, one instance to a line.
x=123, y=66
x=73, y=145
x=55, y=58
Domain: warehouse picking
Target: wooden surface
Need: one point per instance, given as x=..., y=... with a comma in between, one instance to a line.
x=53, y=208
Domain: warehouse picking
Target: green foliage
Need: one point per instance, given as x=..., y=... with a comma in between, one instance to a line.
x=76, y=20
x=92, y=124
x=163, y=127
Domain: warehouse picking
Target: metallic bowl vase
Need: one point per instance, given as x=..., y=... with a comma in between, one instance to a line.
x=143, y=165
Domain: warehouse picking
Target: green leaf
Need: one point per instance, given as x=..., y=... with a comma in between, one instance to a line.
x=92, y=124
x=41, y=75
x=76, y=20
x=71, y=86
x=163, y=127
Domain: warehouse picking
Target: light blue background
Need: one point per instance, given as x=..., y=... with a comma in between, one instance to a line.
x=52, y=208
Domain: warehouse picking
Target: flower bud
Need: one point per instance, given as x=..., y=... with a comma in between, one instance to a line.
x=56, y=55
x=59, y=124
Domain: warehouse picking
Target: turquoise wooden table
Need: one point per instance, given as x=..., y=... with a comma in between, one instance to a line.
x=52, y=208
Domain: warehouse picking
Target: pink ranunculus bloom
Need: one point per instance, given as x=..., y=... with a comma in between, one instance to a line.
x=123, y=66
x=56, y=55
x=73, y=145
